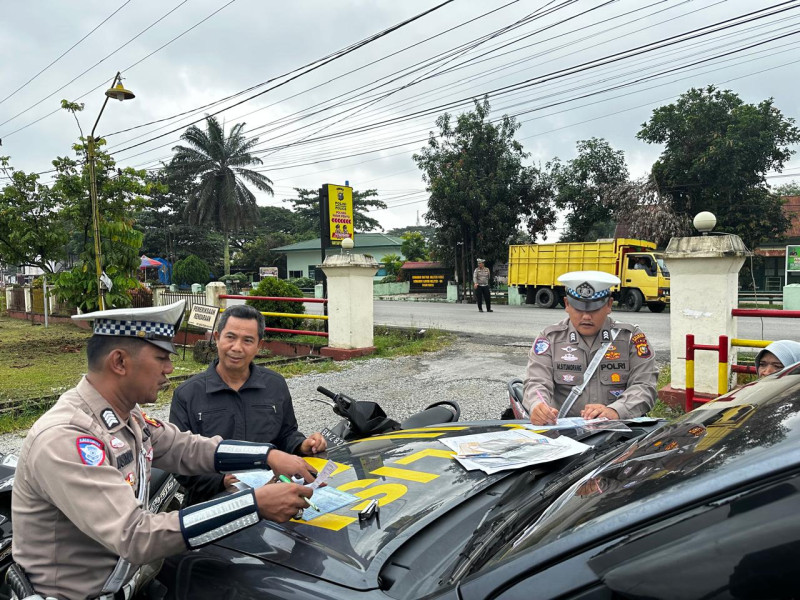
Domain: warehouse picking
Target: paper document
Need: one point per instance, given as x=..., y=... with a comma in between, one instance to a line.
x=252, y=479
x=579, y=423
x=323, y=475
x=327, y=500
x=509, y=449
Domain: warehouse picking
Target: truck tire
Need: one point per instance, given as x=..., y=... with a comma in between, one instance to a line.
x=546, y=297
x=633, y=300
x=656, y=307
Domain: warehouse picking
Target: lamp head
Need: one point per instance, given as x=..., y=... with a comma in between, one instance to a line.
x=118, y=92
x=704, y=222
x=348, y=243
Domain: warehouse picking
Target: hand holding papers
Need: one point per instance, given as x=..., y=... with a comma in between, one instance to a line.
x=510, y=449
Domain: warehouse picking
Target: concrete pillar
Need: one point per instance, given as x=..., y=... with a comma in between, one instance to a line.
x=319, y=291
x=8, y=296
x=158, y=294
x=452, y=291
x=514, y=297
x=350, y=305
x=28, y=293
x=704, y=276
x=213, y=292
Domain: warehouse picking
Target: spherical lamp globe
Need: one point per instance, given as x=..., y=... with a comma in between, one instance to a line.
x=704, y=221
x=348, y=243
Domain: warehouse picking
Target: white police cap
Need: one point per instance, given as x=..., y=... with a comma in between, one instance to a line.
x=480, y=260
x=588, y=290
x=154, y=324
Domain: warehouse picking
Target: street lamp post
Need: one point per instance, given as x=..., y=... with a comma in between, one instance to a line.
x=118, y=92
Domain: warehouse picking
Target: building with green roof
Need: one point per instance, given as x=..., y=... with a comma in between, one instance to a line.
x=302, y=258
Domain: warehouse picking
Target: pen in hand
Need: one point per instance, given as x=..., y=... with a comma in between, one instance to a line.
x=285, y=479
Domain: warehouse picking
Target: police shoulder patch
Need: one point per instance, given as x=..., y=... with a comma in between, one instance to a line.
x=110, y=418
x=541, y=345
x=151, y=420
x=91, y=451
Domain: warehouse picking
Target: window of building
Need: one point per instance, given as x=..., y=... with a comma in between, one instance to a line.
x=295, y=274
x=312, y=271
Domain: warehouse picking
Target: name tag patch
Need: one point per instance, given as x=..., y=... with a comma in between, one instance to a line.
x=124, y=459
x=569, y=367
x=91, y=450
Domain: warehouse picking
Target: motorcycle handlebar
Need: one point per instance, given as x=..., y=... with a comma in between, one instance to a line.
x=326, y=392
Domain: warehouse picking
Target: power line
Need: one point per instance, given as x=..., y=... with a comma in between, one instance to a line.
x=67, y=51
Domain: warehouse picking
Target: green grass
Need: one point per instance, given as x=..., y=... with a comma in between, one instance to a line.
x=660, y=409
x=38, y=364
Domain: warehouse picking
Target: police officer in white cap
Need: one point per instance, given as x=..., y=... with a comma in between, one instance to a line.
x=81, y=525
x=562, y=378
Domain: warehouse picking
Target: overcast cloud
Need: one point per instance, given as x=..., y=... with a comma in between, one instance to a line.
x=369, y=127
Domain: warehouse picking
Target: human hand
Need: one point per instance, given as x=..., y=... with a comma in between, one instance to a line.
x=229, y=480
x=290, y=465
x=599, y=411
x=313, y=444
x=543, y=414
x=281, y=502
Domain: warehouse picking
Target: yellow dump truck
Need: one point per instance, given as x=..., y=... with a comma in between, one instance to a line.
x=535, y=268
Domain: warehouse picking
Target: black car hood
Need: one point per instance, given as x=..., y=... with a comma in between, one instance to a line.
x=414, y=476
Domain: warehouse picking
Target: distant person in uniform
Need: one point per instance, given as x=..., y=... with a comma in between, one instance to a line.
x=622, y=386
x=777, y=356
x=80, y=496
x=480, y=280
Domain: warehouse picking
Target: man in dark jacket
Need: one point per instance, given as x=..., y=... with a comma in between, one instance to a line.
x=238, y=400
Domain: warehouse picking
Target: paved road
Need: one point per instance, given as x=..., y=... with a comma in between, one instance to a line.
x=520, y=324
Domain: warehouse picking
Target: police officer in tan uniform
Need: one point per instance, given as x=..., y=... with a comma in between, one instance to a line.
x=80, y=497
x=480, y=280
x=623, y=384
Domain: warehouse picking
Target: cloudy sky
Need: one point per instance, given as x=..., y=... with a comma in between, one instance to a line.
x=348, y=90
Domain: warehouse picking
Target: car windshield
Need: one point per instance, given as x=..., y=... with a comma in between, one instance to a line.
x=716, y=441
x=663, y=266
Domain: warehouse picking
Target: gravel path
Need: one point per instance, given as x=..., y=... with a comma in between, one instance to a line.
x=473, y=371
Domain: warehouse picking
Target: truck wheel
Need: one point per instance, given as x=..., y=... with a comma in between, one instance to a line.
x=546, y=297
x=656, y=307
x=633, y=300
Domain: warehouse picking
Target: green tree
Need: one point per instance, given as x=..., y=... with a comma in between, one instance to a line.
x=580, y=187
x=414, y=247
x=32, y=231
x=392, y=264
x=480, y=192
x=717, y=151
x=121, y=193
x=306, y=206
x=273, y=288
x=788, y=189
x=218, y=165
x=191, y=270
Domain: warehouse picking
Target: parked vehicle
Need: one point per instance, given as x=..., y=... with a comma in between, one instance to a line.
x=535, y=268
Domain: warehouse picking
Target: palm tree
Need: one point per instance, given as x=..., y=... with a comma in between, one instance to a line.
x=218, y=167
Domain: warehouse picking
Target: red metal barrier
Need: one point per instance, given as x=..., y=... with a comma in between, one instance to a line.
x=765, y=312
x=722, y=367
x=278, y=298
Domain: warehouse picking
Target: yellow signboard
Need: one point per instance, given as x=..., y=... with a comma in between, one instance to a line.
x=340, y=212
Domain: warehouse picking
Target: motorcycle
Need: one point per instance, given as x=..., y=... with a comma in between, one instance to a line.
x=362, y=418
x=515, y=408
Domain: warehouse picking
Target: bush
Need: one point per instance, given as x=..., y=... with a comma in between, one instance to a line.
x=389, y=279
x=303, y=282
x=141, y=297
x=191, y=269
x=272, y=286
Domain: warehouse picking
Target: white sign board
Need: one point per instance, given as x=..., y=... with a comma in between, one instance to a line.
x=268, y=272
x=203, y=316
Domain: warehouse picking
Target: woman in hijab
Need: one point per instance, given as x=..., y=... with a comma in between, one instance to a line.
x=777, y=356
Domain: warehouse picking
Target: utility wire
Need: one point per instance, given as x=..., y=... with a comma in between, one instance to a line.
x=67, y=51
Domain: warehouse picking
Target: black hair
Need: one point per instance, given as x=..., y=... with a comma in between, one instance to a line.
x=242, y=311
x=100, y=346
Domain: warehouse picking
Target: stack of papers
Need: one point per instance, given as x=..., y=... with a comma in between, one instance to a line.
x=510, y=449
x=580, y=423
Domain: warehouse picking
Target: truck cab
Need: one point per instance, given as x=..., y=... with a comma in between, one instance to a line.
x=645, y=280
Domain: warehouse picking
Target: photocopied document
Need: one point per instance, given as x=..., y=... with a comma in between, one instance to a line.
x=510, y=449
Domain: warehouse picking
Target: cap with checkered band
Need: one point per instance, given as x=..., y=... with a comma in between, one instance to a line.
x=588, y=290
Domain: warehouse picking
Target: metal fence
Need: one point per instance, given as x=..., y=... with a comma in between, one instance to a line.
x=191, y=299
x=17, y=300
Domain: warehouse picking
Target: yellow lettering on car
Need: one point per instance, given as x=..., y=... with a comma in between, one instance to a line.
x=428, y=452
x=405, y=474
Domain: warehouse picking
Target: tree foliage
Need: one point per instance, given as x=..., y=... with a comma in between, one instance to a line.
x=191, y=270
x=121, y=193
x=580, y=187
x=306, y=206
x=216, y=168
x=392, y=263
x=480, y=192
x=32, y=232
x=717, y=151
x=274, y=287
x=414, y=247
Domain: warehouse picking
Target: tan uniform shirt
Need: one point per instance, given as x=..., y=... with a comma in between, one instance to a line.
x=480, y=276
x=625, y=379
x=74, y=503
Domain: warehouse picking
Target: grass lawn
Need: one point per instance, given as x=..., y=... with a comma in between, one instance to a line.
x=37, y=364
